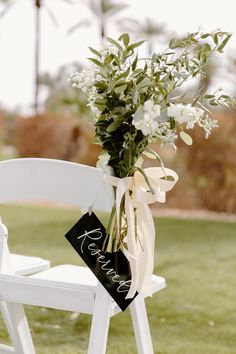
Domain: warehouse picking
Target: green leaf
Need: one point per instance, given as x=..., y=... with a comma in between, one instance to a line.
x=108, y=59
x=172, y=123
x=115, y=43
x=216, y=40
x=97, y=62
x=123, y=75
x=223, y=44
x=125, y=38
x=137, y=71
x=186, y=138
x=134, y=64
x=205, y=35
x=114, y=125
x=120, y=83
x=213, y=103
x=120, y=89
x=207, y=47
x=100, y=107
x=172, y=43
x=140, y=78
x=127, y=158
x=101, y=85
x=100, y=101
x=135, y=45
x=145, y=82
x=209, y=96
x=94, y=51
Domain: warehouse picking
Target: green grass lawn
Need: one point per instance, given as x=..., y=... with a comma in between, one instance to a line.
x=196, y=314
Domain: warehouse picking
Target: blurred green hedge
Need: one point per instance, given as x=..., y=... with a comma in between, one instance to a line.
x=207, y=169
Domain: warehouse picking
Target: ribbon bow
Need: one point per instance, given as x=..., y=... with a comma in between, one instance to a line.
x=140, y=228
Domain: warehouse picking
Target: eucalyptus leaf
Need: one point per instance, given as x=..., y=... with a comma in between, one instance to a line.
x=124, y=74
x=223, y=44
x=100, y=107
x=114, y=125
x=120, y=83
x=94, y=51
x=135, y=45
x=134, y=64
x=97, y=62
x=115, y=43
x=100, y=101
x=125, y=38
x=216, y=40
x=186, y=138
x=205, y=35
x=144, y=83
x=121, y=88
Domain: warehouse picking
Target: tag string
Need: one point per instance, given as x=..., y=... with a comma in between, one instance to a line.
x=91, y=206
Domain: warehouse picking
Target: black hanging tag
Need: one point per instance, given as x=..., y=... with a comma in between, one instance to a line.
x=112, y=269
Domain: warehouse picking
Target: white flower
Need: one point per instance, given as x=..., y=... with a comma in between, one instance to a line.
x=208, y=125
x=109, y=48
x=94, y=109
x=84, y=79
x=91, y=102
x=152, y=109
x=145, y=118
x=102, y=163
x=185, y=114
x=169, y=136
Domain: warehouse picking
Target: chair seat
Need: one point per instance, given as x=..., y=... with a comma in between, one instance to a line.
x=69, y=274
x=78, y=275
x=25, y=265
x=83, y=277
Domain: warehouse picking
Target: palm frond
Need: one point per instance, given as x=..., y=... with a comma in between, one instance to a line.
x=129, y=25
x=111, y=8
x=104, y=7
x=70, y=2
x=7, y=6
x=147, y=29
x=52, y=16
x=83, y=23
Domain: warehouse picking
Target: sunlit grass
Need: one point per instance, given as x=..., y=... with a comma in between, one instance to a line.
x=194, y=315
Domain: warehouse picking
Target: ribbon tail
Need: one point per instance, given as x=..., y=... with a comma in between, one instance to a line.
x=146, y=231
x=132, y=246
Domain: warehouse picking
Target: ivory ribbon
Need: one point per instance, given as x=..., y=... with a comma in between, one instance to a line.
x=141, y=237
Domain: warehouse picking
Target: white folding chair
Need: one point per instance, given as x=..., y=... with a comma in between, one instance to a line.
x=64, y=287
x=21, y=265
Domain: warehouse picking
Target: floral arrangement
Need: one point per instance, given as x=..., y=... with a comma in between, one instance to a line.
x=136, y=101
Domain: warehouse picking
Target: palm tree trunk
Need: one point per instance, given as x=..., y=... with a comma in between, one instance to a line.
x=102, y=27
x=150, y=51
x=38, y=5
x=102, y=31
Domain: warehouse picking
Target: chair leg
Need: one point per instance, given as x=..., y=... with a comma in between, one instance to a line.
x=17, y=326
x=141, y=326
x=100, y=322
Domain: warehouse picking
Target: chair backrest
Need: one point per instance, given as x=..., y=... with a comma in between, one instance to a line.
x=36, y=179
